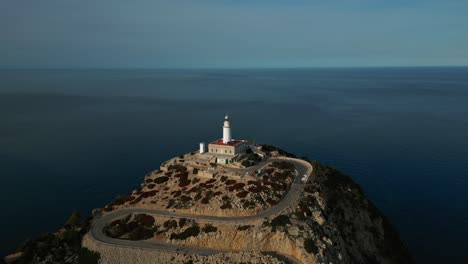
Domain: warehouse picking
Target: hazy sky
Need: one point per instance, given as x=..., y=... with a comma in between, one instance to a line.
x=236, y=33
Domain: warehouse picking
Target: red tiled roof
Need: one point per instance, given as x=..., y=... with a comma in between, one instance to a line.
x=230, y=143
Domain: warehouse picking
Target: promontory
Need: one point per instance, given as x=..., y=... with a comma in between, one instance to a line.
x=233, y=201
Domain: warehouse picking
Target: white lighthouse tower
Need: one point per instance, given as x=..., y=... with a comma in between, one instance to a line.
x=225, y=149
x=226, y=130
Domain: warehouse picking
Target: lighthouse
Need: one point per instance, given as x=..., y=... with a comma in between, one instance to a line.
x=226, y=130
x=225, y=148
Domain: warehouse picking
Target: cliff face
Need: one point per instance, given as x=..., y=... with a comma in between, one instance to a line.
x=358, y=232
x=333, y=222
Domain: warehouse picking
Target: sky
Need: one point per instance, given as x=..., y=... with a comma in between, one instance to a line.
x=232, y=34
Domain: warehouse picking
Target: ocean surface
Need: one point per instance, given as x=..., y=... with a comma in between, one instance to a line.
x=75, y=139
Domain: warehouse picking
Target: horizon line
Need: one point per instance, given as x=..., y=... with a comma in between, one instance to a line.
x=232, y=68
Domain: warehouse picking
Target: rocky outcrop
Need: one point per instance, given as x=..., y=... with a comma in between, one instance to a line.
x=124, y=255
x=62, y=246
x=332, y=222
x=181, y=189
x=346, y=226
x=254, y=239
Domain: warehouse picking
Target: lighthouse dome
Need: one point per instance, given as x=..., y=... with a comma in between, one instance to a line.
x=226, y=130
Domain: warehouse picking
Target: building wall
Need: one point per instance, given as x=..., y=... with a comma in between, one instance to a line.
x=223, y=160
x=222, y=150
x=227, y=150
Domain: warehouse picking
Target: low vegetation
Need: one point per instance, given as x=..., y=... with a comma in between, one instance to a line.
x=248, y=159
x=179, y=187
x=208, y=228
x=57, y=247
x=160, y=180
x=279, y=221
x=270, y=148
x=244, y=227
x=310, y=247
x=192, y=231
x=74, y=220
x=182, y=222
x=170, y=224
x=132, y=227
x=86, y=256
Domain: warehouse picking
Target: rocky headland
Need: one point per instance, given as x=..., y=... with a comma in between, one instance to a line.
x=212, y=220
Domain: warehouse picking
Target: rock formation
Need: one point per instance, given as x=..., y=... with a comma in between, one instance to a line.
x=332, y=222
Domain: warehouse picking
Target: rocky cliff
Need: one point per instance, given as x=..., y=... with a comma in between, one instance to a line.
x=346, y=226
x=333, y=222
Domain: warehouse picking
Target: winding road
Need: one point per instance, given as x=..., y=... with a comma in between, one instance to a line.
x=98, y=224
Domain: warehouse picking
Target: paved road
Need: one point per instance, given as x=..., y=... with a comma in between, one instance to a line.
x=290, y=197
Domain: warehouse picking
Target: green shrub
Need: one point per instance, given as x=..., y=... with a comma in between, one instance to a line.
x=58, y=254
x=118, y=200
x=230, y=182
x=310, y=246
x=140, y=233
x=72, y=237
x=253, y=158
x=208, y=228
x=74, y=219
x=185, y=199
x=144, y=220
x=280, y=220
x=269, y=148
x=160, y=180
x=300, y=215
x=243, y=227
x=177, y=167
x=283, y=165
x=182, y=222
x=116, y=228
x=191, y=231
x=226, y=205
x=248, y=204
x=184, y=182
x=149, y=194
x=242, y=194
x=170, y=224
x=197, y=197
x=335, y=179
x=271, y=201
x=86, y=256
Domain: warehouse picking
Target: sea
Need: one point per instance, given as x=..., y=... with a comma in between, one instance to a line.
x=75, y=139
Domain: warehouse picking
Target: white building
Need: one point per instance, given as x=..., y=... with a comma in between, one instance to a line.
x=202, y=147
x=226, y=148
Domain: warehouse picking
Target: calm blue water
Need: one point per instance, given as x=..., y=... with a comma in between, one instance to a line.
x=76, y=139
